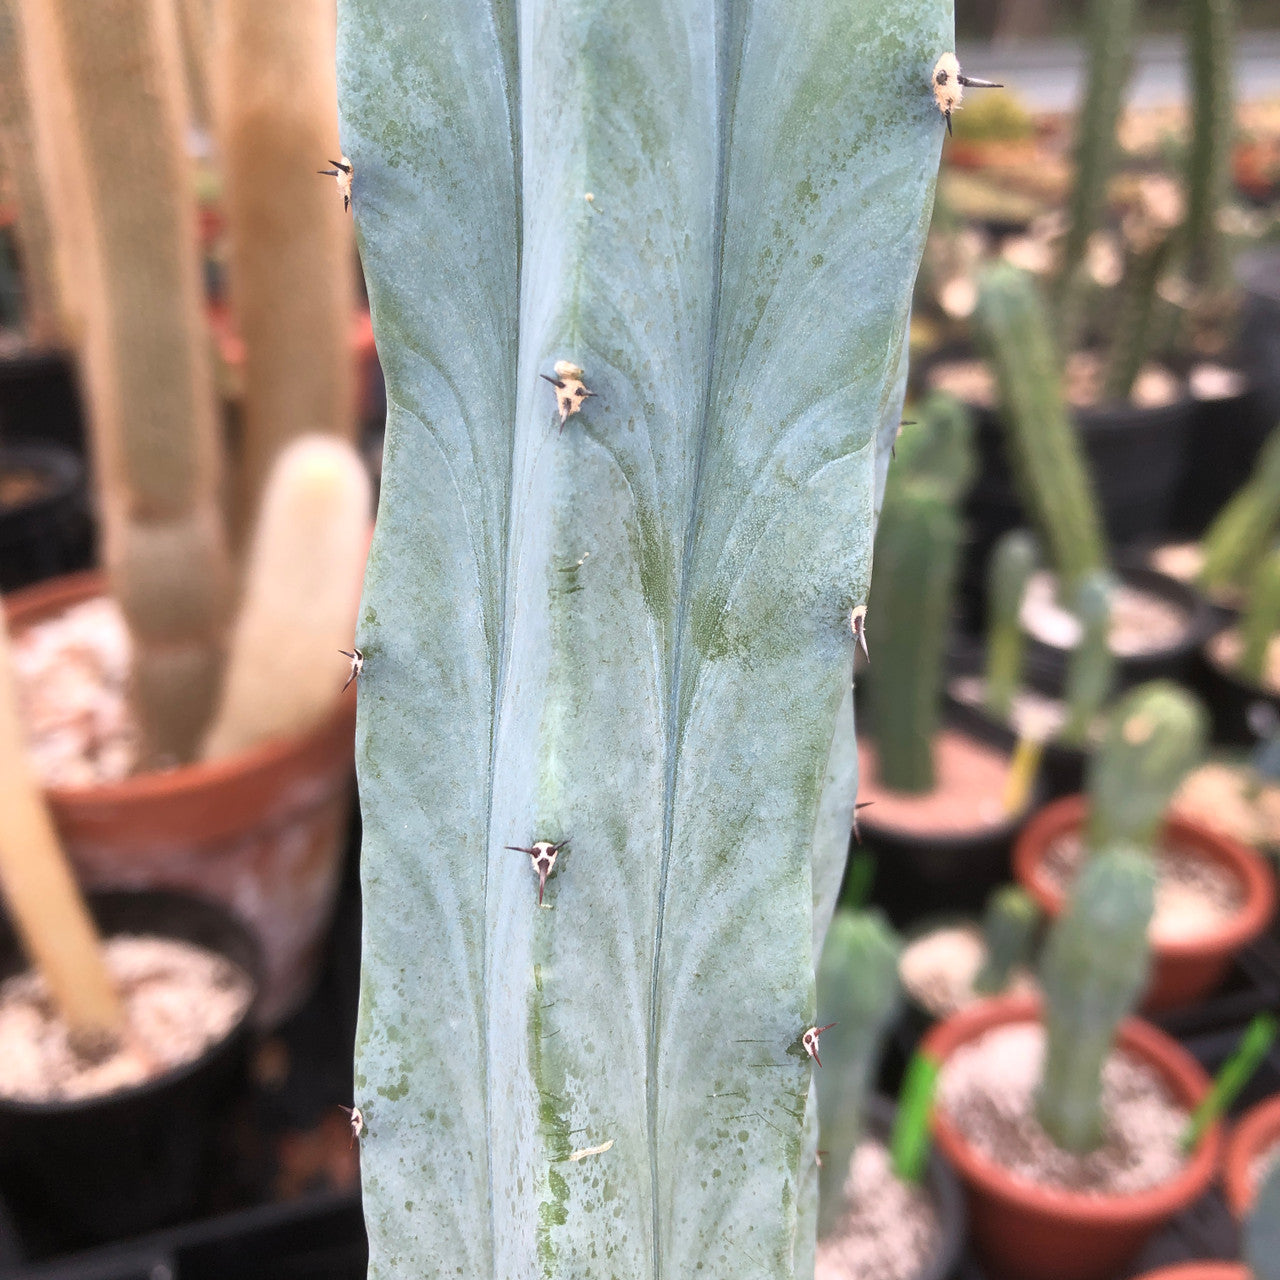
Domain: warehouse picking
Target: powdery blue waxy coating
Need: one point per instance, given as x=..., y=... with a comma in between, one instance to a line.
x=634, y=633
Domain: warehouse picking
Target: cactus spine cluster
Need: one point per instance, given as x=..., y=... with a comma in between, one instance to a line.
x=632, y=632
x=290, y=243
x=1110, y=33
x=1260, y=621
x=858, y=994
x=1091, y=663
x=1013, y=560
x=146, y=355
x=1242, y=530
x=1048, y=468
x=1092, y=972
x=1155, y=736
x=1008, y=934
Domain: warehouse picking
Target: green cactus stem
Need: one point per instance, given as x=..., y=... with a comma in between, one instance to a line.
x=1008, y=932
x=1239, y=536
x=1091, y=664
x=1093, y=970
x=1211, y=38
x=146, y=355
x=858, y=994
x=1133, y=331
x=937, y=448
x=1013, y=560
x=629, y=629
x=1260, y=621
x=917, y=553
x=1110, y=34
x=1048, y=465
x=1155, y=737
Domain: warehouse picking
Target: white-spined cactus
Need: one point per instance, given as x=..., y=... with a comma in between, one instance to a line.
x=627, y=627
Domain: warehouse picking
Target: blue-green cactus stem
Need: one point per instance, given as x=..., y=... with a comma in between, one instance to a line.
x=1093, y=970
x=1013, y=560
x=1008, y=933
x=1155, y=737
x=1091, y=664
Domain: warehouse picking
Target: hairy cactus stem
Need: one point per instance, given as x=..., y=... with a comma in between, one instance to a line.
x=949, y=84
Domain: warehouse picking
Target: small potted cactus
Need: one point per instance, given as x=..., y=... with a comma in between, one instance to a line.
x=869, y=1214
x=1065, y=1119
x=936, y=796
x=194, y=749
x=1215, y=894
x=1064, y=728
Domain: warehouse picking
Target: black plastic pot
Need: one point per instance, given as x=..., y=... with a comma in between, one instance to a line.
x=102, y=1168
x=944, y=1190
x=1259, y=275
x=40, y=400
x=49, y=533
x=1047, y=664
x=924, y=875
x=1229, y=697
x=1226, y=435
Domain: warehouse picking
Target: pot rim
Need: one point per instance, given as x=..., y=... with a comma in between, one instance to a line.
x=1183, y=1075
x=1256, y=1130
x=1245, y=864
x=163, y=898
x=32, y=604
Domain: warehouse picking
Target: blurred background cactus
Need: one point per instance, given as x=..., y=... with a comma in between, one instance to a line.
x=1048, y=465
x=1091, y=663
x=1260, y=623
x=1092, y=972
x=916, y=558
x=1008, y=934
x=858, y=994
x=1155, y=737
x=1245, y=527
x=1012, y=562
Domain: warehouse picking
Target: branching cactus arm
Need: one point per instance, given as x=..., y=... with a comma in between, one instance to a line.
x=624, y=626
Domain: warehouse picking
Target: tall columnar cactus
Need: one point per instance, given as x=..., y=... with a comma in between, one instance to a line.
x=858, y=994
x=146, y=354
x=1013, y=560
x=917, y=553
x=1048, y=466
x=1008, y=932
x=1093, y=970
x=1091, y=664
x=41, y=304
x=1155, y=737
x=1261, y=620
x=1239, y=535
x=291, y=265
x=628, y=628
x=1110, y=33
x=1208, y=174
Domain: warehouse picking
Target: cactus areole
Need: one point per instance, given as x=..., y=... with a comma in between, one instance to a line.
x=629, y=621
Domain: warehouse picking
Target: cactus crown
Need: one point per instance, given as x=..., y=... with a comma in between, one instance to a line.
x=916, y=558
x=1008, y=934
x=1261, y=620
x=858, y=994
x=630, y=626
x=1091, y=664
x=1013, y=560
x=1092, y=972
x=1155, y=737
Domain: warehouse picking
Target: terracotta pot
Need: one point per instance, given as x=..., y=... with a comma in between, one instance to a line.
x=261, y=831
x=1182, y=972
x=1040, y=1233
x=1206, y=1270
x=1257, y=1131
